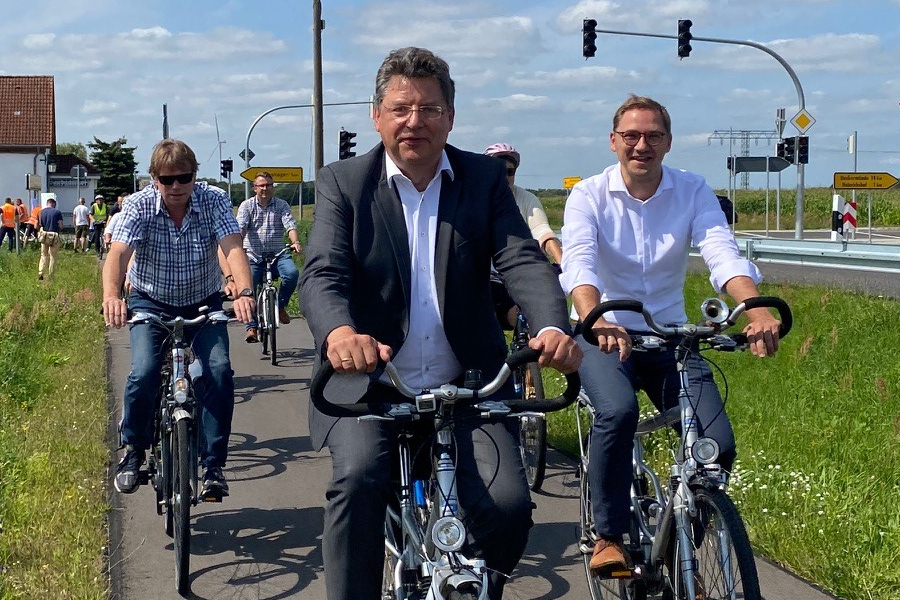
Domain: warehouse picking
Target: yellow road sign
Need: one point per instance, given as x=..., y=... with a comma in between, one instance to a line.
x=803, y=121
x=279, y=174
x=864, y=181
x=569, y=182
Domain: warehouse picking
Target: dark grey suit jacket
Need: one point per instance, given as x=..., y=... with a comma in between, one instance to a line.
x=357, y=268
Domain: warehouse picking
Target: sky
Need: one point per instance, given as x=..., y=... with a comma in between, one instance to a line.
x=519, y=72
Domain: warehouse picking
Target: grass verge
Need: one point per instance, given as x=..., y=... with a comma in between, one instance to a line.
x=818, y=430
x=53, y=418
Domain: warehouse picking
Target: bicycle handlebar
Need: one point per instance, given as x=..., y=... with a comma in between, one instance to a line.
x=268, y=259
x=720, y=319
x=461, y=396
x=141, y=317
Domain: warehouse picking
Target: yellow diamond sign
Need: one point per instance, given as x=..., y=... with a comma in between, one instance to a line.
x=803, y=121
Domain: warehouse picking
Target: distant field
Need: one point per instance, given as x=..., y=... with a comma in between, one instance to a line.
x=751, y=207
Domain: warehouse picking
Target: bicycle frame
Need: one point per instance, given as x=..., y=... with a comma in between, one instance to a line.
x=698, y=467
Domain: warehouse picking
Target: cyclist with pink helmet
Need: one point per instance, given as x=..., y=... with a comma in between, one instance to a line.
x=534, y=215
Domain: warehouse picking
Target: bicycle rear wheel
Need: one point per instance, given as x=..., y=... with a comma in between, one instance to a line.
x=181, y=503
x=533, y=429
x=721, y=548
x=272, y=324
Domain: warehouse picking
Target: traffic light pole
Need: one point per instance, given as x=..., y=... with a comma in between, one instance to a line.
x=270, y=111
x=798, y=224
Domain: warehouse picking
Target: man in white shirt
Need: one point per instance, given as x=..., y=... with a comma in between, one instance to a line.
x=627, y=234
x=80, y=221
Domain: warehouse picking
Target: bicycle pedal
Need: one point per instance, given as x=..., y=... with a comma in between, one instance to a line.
x=613, y=574
x=212, y=497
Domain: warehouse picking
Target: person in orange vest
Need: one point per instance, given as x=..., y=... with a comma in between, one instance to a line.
x=21, y=216
x=8, y=229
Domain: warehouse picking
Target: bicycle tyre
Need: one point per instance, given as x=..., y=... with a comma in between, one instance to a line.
x=271, y=316
x=181, y=503
x=166, y=466
x=262, y=326
x=717, y=522
x=533, y=429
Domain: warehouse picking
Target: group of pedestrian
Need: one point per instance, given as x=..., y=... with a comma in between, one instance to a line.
x=15, y=222
x=398, y=268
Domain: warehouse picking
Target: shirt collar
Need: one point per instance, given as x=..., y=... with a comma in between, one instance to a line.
x=617, y=182
x=392, y=170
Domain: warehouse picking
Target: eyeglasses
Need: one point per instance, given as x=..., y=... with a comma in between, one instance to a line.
x=653, y=138
x=403, y=112
x=170, y=179
x=262, y=186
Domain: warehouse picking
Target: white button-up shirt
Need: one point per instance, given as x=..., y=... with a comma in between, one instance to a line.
x=634, y=250
x=425, y=360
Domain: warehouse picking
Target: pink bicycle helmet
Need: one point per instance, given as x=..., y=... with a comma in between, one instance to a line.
x=503, y=150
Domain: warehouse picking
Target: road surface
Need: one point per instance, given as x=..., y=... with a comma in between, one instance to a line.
x=264, y=541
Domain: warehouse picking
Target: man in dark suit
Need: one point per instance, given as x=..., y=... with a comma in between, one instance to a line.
x=398, y=268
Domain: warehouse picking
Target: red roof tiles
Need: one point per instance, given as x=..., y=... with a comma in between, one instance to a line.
x=27, y=111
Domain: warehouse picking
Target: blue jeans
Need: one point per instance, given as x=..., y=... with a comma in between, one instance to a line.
x=612, y=388
x=284, y=268
x=214, y=389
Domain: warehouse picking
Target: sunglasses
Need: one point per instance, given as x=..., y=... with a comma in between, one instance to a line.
x=510, y=172
x=170, y=179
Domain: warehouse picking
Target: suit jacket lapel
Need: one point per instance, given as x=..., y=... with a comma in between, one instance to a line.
x=451, y=191
x=389, y=205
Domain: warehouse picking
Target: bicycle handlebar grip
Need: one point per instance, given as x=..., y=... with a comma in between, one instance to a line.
x=569, y=395
x=317, y=395
x=784, y=311
x=604, y=307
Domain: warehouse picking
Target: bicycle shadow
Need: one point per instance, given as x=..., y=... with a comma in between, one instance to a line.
x=249, y=459
x=294, y=357
x=538, y=575
x=248, y=386
x=277, y=552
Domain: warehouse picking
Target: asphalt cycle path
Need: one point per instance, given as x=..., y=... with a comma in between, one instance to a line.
x=263, y=542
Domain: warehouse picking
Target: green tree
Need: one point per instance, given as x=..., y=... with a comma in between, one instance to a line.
x=115, y=161
x=76, y=148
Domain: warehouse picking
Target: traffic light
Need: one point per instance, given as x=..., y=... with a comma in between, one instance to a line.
x=684, y=37
x=787, y=149
x=227, y=168
x=589, y=36
x=802, y=150
x=345, y=143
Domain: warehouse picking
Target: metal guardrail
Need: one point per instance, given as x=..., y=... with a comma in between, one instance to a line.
x=834, y=255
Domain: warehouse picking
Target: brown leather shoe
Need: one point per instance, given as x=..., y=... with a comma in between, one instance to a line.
x=609, y=559
x=252, y=338
x=283, y=316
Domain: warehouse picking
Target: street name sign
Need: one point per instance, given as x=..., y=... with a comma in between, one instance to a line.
x=279, y=174
x=864, y=181
x=569, y=182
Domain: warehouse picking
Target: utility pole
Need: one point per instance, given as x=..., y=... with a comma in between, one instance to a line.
x=744, y=135
x=318, y=121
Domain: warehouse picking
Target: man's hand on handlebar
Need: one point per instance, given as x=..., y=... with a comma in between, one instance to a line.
x=244, y=308
x=762, y=332
x=350, y=352
x=612, y=337
x=558, y=351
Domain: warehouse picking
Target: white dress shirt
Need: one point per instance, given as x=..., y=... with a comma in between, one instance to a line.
x=425, y=360
x=638, y=250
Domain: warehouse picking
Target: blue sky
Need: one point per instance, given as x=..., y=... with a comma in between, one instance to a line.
x=518, y=69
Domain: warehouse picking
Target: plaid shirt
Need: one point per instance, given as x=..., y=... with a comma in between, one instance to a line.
x=176, y=266
x=264, y=227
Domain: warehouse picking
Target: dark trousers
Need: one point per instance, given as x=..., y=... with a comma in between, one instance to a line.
x=96, y=238
x=611, y=386
x=10, y=234
x=493, y=496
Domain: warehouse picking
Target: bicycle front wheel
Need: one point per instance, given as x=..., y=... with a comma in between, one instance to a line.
x=181, y=503
x=721, y=549
x=533, y=429
x=262, y=324
x=271, y=322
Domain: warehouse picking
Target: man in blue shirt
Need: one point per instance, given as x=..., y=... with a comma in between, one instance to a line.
x=51, y=221
x=174, y=229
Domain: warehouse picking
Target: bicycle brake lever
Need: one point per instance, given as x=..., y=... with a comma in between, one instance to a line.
x=493, y=408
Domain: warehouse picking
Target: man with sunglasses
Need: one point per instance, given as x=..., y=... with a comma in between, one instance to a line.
x=175, y=229
x=398, y=268
x=264, y=220
x=627, y=234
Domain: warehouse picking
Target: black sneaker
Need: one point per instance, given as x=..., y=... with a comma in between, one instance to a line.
x=214, y=484
x=127, y=478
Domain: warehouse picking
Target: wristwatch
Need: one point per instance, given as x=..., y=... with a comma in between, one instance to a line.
x=246, y=293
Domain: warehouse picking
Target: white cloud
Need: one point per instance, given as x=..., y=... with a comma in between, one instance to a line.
x=516, y=102
x=95, y=106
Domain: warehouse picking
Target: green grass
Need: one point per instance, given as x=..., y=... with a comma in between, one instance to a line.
x=751, y=207
x=818, y=429
x=53, y=420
